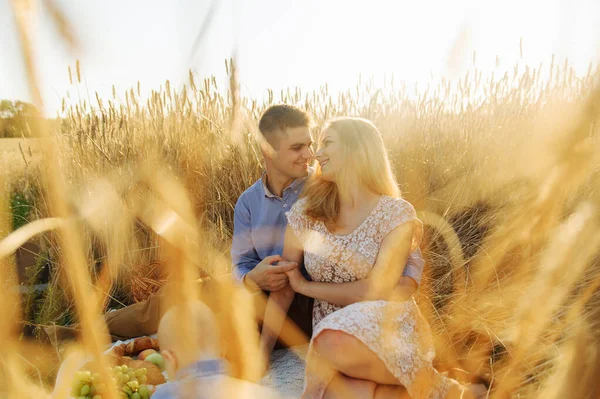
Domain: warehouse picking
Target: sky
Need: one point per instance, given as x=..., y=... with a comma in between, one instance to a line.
x=285, y=43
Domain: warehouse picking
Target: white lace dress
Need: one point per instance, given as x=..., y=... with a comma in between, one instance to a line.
x=395, y=331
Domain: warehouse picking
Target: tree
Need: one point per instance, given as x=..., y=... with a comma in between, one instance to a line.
x=15, y=118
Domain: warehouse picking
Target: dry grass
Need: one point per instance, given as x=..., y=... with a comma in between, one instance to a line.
x=505, y=173
x=17, y=156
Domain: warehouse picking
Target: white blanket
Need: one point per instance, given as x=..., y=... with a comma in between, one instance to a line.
x=286, y=374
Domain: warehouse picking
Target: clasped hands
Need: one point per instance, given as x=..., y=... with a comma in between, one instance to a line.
x=270, y=277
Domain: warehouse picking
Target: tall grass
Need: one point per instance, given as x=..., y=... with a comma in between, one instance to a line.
x=504, y=171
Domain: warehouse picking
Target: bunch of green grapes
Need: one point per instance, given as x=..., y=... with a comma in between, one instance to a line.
x=130, y=384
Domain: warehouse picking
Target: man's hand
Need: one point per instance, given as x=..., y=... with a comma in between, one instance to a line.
x=268, y=277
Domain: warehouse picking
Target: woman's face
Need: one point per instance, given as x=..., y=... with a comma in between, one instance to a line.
x=329, y=154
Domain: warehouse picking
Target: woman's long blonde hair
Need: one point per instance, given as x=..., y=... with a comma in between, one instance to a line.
x=366, y=163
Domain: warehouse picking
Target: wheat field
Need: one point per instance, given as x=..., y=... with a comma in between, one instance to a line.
x=503, y=171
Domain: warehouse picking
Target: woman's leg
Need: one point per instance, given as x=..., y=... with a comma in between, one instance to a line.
x=391, y=392
x=343, y=387
x=351, y=357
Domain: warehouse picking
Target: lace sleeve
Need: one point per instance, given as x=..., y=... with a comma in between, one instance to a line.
x=403, y=212
x=297, y=219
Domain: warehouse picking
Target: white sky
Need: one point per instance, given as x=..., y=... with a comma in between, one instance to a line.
x=296, y=43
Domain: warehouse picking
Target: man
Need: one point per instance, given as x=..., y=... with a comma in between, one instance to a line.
x=259, y=219
x=259, y=216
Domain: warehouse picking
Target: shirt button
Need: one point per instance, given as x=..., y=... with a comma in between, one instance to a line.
x=285, y=205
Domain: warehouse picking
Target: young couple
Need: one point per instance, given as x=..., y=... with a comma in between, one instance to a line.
x=339, y=234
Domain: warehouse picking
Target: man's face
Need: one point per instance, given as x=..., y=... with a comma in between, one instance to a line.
x=293, y=152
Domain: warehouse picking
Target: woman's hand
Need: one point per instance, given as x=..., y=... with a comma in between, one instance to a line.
x=297, y=280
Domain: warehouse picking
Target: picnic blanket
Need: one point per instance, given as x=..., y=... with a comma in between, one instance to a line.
x=286, y=374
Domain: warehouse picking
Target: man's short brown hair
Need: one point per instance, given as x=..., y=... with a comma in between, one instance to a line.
x=277, y=118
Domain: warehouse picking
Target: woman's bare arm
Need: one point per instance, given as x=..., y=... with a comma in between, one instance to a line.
x=405, y=289
x=380, y=284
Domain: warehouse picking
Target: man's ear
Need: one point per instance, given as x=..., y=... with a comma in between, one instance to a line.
x=170, y=357
x=267, y=150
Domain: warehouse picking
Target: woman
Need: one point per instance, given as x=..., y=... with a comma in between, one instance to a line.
x=352, y=231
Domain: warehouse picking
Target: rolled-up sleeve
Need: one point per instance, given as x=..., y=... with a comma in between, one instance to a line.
x=243, y=254
x=414, y=266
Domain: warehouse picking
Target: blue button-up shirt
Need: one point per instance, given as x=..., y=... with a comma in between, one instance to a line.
x=259, y=228
x=259, y=224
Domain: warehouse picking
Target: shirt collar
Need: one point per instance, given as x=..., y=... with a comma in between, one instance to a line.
x=296, y=184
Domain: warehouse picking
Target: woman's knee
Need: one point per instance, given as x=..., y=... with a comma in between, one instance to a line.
x=333, y=341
